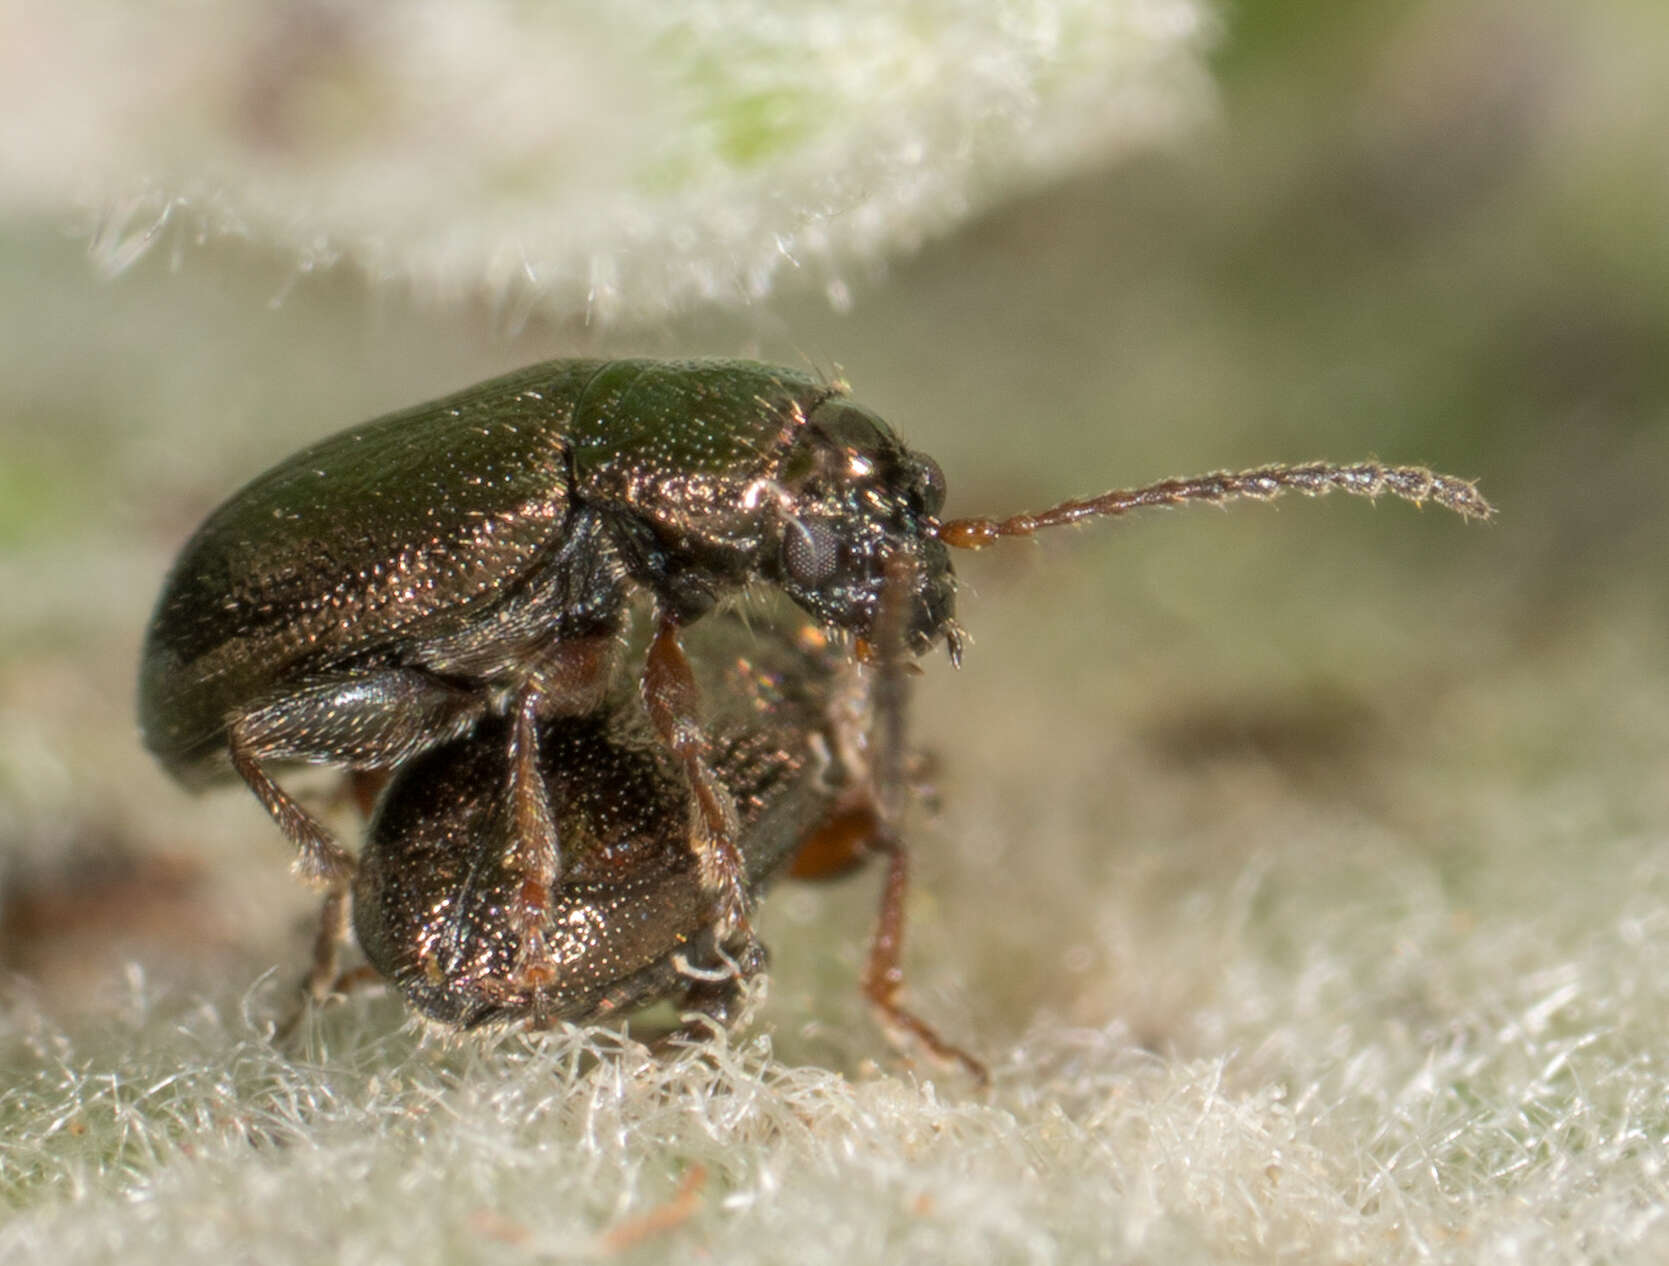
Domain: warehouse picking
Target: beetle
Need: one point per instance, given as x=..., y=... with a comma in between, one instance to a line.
x=801, y=737
x=392, y=588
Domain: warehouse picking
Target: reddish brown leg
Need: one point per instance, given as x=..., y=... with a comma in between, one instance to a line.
x=838, y=846
x=363, y=788
x=323, y=975
x=567, y=679
x=674, y=704
x=883, y=977
x=356, y=978
x=572, y=677
x=327, y=945
x=322, y=862
x=533, y=854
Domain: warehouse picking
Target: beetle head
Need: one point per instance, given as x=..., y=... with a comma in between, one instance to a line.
x=851, y=495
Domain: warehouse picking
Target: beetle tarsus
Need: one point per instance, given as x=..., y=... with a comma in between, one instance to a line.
x=325, y=980
x=719, y=998
x=325, y=971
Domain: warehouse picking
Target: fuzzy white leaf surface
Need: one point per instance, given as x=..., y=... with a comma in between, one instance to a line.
x=619, y=161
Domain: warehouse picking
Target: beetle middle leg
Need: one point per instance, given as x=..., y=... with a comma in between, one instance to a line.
x=533, y=855
x=673, y=701
x=566, y=678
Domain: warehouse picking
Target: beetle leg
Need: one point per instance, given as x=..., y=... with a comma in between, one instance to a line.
x=718, y=998
x=327, y=945
x=674, y=704
x=573, y=675
x=324, y=978
x=378, y=718
x=838, y=845
x=849, y=836
x=883, y=977
x=322, y=862
x=360, y=789
x=533, y=855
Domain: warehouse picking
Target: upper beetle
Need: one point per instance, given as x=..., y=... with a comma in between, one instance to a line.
x=382, y=591
x=385, y=590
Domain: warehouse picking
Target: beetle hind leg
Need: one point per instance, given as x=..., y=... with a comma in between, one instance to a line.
x=325, y=979
x=320, y=861
x=369, y=719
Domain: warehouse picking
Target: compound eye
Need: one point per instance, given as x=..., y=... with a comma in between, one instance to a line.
x=810, y=551
x=926, y=488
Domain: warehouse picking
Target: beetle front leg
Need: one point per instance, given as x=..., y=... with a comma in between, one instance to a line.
x=887, y=777
x=674, y=704
x=883, y=977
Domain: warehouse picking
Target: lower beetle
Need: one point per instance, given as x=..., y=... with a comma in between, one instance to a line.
x=792, y=740
x=399, y=585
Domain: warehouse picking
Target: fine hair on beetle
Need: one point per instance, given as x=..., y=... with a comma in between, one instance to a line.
x=466, y=571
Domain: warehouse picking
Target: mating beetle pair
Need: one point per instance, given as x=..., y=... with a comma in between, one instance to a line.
x=464, y=572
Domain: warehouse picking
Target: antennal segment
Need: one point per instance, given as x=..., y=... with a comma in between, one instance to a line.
x=1315, y=479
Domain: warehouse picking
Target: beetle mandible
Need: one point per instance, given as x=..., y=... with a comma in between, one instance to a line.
x=388, y=589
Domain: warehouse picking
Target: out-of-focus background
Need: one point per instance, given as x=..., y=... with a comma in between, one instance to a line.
x=1300, y=869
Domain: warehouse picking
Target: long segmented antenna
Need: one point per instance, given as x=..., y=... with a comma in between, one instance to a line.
x=1315, y=479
